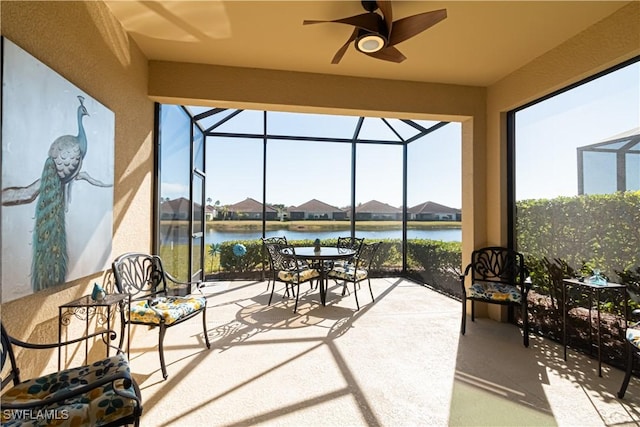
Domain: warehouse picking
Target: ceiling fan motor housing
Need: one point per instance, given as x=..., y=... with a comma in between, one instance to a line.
x=369, y=42
x=372, y=41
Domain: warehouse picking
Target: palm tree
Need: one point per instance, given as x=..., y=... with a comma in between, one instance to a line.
x=214, y=249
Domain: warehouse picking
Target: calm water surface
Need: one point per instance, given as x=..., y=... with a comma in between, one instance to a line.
x=444, y=234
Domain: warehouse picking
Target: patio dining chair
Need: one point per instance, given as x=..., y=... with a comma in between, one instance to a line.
x=356, y=270
x=288, y=270
x=145, y=279
x=354, y=243
x=498, y=276
x=273, y=242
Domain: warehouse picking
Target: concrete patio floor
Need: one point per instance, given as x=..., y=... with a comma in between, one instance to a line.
x=399, y=361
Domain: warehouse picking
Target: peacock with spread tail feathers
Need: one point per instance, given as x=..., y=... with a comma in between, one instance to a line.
x=66, y=153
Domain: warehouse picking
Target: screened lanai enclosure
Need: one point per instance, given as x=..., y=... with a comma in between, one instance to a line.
x=228, y=177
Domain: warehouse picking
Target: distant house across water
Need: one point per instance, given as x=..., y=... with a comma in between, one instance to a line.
x=315, y=209
x=375, y=210
x=250, y=209
x=431, y=211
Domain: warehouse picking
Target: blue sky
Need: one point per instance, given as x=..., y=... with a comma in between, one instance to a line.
x=298, y=171
x=548, y=133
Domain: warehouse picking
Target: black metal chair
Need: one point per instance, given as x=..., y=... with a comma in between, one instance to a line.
x=632, y=336
x=498, y=276
x=354, y=243
x=288, y=270
x=144, y=278
x=102, y=393
x=273, y=272
x=357, y=270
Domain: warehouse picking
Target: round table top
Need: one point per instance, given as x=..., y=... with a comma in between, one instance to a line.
x=326, y=252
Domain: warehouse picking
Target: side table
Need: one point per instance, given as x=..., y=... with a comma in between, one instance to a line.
x=85, y=308
x=591, y=288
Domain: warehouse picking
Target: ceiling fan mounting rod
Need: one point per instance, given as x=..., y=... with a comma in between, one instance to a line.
x=369, y=5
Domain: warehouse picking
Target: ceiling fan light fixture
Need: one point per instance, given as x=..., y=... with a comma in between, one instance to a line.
x=370, y=43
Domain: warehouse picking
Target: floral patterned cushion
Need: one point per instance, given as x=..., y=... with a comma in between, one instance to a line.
x=347, y=272
x=633, y=334
x=292, y=276
x=97, y=407
x=495, y=292
x=171, y=308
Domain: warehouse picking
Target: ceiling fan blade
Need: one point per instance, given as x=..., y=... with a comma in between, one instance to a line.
x=410, y=26
x=367, y=21
x=340, y=53
x=389, y=53
x=387, y=14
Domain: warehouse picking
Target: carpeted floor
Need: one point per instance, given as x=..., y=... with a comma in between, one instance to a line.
x=397, y=362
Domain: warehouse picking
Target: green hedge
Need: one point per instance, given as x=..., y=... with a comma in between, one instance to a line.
x=570, y=236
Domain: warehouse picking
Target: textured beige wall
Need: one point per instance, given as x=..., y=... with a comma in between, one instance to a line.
x=83, y=43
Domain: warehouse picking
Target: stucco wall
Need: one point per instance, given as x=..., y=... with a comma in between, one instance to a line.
x=82, y=42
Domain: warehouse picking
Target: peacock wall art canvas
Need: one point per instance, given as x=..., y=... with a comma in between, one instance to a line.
x=57, y=178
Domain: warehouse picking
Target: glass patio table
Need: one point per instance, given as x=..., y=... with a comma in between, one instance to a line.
x=318, y=260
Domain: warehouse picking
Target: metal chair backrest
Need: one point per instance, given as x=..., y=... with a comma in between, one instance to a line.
x=274, y=245
x=366, y=254
x=498, y=264
x=140, y=275
x=354, y=243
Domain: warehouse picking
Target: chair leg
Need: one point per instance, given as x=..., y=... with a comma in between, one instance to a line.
x=525, y=325
x=355, y=294
x=295, y=308
x=629, y=370
x=371, y=290
x=204, y=327
x=163, y=329
x=463, y=324
x=273, y=288
x=473, y=311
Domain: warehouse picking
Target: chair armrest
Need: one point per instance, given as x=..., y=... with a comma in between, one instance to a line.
x=76, y=391
x=198, y=283
x=466, y=271
x=15, y=341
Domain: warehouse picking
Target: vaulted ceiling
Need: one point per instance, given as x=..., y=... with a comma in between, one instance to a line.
x=478, y=44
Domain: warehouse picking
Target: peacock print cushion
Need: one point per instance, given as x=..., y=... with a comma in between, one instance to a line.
x=169, y=308
x=96, y=407
x=495, y=292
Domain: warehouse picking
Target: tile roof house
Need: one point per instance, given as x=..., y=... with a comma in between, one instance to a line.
x=315, y=209
x=177, y=209
x=374, y=209
x=250, y=209
x=431, y=211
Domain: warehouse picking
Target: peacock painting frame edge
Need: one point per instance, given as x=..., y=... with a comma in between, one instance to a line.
x=57, y=178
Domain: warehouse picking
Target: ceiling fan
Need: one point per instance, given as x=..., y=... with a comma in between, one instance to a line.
x=377, y=34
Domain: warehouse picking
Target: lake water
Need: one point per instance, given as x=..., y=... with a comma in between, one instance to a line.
x=444, y=234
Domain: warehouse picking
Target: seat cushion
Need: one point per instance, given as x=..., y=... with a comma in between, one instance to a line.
x=293, y=277
x=97, y=407
x=171, y=308
x=633, y=334
x=347, y=272
x=490, y=291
